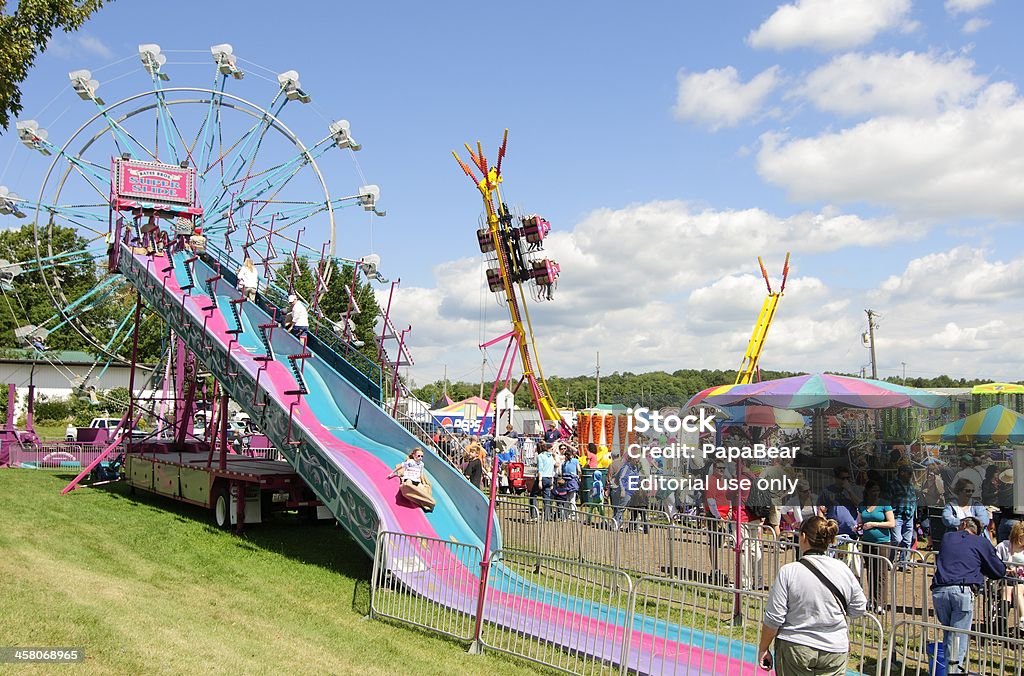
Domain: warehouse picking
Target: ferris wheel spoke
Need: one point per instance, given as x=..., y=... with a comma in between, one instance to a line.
x=165, y=122
x=274, y=181
x=104, y=288
x=209, y=125
x=250, y=146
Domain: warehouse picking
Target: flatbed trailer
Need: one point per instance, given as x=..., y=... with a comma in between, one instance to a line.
x=215, y=483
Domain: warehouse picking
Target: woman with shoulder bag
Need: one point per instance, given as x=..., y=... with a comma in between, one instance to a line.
x=807, y=608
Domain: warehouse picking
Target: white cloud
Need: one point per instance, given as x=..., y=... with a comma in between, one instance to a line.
x=965, y=162
x=961, y=276
x=955, y=7
x=910, y=83
x=656, y=286
x=974, y=25
x=70, y=46
x=716, y=98
x=829, y=25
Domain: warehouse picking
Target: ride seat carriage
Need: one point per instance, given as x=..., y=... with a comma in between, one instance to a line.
x=545, y=272
x=535, y=229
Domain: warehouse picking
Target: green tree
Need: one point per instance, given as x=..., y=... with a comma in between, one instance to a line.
x=25, y=33
x=334, y=304
x=30, y=302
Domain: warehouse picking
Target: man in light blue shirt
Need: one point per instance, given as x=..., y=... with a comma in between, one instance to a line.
x=546, y=477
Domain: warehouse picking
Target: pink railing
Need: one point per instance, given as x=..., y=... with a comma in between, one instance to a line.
x=54, y=454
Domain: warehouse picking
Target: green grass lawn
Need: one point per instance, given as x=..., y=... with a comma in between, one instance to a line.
x=146, y=585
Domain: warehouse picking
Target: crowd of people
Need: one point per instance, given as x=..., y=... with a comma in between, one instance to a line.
x=961, y=509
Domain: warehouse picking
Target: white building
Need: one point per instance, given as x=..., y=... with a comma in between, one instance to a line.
x=56, y=374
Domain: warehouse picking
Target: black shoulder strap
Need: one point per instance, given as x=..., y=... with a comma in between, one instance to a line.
x=828, y=584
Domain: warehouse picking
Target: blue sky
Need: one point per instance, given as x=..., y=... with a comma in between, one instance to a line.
x=668, y=143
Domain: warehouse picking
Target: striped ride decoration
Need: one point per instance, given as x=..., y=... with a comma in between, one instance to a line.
x=583, y=429
x=609, y=430
x=621, y=419
x=595, y=428
x=632, y=436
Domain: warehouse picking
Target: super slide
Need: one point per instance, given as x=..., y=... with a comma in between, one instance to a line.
x=324, y=416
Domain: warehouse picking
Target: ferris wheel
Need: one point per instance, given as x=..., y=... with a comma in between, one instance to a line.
x=181, y=160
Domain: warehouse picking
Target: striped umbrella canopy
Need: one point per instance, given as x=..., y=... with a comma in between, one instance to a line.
x=997, y=424
x=763, y=416
x=998, y=388
x=820, y=391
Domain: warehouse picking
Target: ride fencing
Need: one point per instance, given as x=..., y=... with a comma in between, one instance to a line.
x=916, y=648
x=587, y=612
x=54, y=455
x=582, y=618
x=426, y=582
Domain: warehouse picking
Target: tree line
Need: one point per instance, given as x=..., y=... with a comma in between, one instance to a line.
x=652, y=389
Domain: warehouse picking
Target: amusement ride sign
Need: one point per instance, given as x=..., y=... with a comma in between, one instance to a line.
x=154, y=182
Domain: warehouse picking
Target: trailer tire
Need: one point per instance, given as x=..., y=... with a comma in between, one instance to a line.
x=221, y=507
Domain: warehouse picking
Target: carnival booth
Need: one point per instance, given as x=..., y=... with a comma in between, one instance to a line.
x=465, y=416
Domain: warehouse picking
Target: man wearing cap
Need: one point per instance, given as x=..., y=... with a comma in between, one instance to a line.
x=965, y=559
x=197, y=242
x=297, y=320
x=552, y=434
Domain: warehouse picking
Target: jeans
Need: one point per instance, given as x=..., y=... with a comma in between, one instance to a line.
x=618, y=506
x=954, y=607
x=568, y=506
x=549, y=508
x=903, y=537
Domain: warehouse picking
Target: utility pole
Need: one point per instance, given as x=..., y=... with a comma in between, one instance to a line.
x=874, y=366
x=904, y=372
x=872, y=325
x=445, y=385
x=598, y=395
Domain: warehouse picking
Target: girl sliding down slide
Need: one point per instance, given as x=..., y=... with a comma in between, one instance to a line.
x=415, y=486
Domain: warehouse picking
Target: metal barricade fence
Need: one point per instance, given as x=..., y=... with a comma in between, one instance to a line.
x=868, y=646
x=426, y=582
x=586, y=621
x=263, y=453
x=911, y=589
x=54, y=455
x=707, y=629
x=518, y=522
x=874, y=571
x=915, y=647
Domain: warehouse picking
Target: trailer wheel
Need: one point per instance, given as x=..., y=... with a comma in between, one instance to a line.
x=221, y=506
